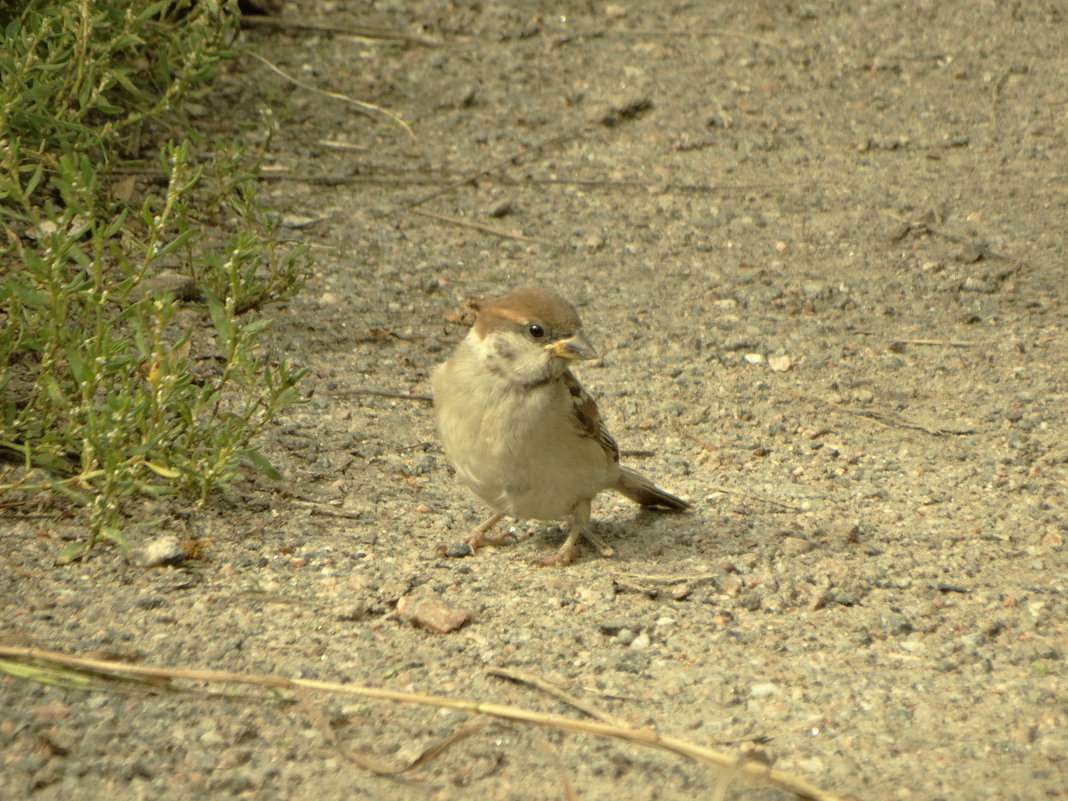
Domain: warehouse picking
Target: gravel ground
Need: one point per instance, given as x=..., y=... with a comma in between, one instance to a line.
x=822, y=250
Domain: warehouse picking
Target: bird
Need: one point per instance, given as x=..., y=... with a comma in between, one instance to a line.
x=518, y=427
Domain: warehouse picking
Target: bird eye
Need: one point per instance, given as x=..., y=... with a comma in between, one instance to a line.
x=535, y=331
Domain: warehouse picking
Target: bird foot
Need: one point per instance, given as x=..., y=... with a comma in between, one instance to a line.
x=477, y=538
x=480, y=538
x=561, y=558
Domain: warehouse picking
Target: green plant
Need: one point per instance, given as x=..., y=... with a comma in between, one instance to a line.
x=101, y=395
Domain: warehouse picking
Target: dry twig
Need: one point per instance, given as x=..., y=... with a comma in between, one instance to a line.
x=708, y=446
x=325, y=510
x=949, y=343
x=486, y=229
x=747, y=769
x=361, y=105
x=892, y=420
x=315, y=714
x=748, y=496
x=695, y=579
x=358, y=32
x=556, y=692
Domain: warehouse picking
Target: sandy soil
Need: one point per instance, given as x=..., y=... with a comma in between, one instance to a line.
x=821, y=247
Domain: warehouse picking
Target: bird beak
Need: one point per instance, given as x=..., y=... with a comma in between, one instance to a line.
x=576, y=347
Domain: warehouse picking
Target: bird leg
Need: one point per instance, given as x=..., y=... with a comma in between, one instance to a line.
x=477, y=538
x=580, y=516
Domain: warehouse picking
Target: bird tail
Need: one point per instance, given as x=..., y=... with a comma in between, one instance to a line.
x=643, y=491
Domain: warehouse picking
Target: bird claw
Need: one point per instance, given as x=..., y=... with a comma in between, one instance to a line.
x=562, y=558
x=469, y=546
x=479, y=539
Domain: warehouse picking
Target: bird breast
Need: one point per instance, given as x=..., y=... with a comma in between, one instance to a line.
x=516, y=446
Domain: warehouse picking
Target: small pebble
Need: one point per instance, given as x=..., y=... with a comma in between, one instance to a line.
x=613, y=627
x=843, y=531
x=503, y=209
x=781, y=363
x=432, y=614
x=764, y=689
x=459, y=549
x=640, y=642
x=795, y=546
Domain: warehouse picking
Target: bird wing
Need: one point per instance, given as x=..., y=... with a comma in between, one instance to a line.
x=588, y=416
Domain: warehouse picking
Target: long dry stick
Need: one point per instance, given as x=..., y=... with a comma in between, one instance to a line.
x=486, y=229
x=361, y=105
x=749, y=770
x=889, y=420
x=359, y=31
x=556, y=692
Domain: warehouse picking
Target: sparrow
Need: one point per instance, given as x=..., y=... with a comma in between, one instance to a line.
x=519, y=428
